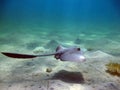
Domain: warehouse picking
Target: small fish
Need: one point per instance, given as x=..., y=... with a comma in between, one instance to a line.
x=72, y=54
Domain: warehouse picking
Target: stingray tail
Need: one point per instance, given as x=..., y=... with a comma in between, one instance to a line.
x=16, y=55
x=24, y=56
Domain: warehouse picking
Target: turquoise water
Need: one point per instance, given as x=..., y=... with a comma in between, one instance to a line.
x=95, y=23
x=27, y=25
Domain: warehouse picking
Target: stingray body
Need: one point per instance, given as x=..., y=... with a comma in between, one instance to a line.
x=73, y=54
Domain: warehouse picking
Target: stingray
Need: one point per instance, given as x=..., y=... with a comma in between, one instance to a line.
x=73, y=54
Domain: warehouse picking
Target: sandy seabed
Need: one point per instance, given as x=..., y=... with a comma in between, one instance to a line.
x=32, y=74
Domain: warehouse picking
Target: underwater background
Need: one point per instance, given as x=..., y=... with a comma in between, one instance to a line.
x=39, y=26
x=93, y=23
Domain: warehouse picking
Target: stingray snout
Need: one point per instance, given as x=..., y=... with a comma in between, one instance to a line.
x=82, y=58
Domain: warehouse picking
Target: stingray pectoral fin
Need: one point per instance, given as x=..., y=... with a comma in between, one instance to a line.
x=16, y=55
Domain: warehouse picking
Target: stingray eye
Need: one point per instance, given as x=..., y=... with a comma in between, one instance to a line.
x=78, y=49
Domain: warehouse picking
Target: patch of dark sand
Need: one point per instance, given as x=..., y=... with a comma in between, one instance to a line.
x=52, y=44
x=112, y=48
x=21, y=71
x=108, y=86
x=117, y=54
x=96, y=44
x=29, y=69
x=32, y=45
x=78, y=41
x=8, y=40
x=25, y=85
x=70, y=77
x=113, y=36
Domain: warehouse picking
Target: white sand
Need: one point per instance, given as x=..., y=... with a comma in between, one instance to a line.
x=16, y=75
x=19, y=74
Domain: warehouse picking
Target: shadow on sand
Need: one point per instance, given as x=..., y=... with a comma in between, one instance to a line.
x=70, y=77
